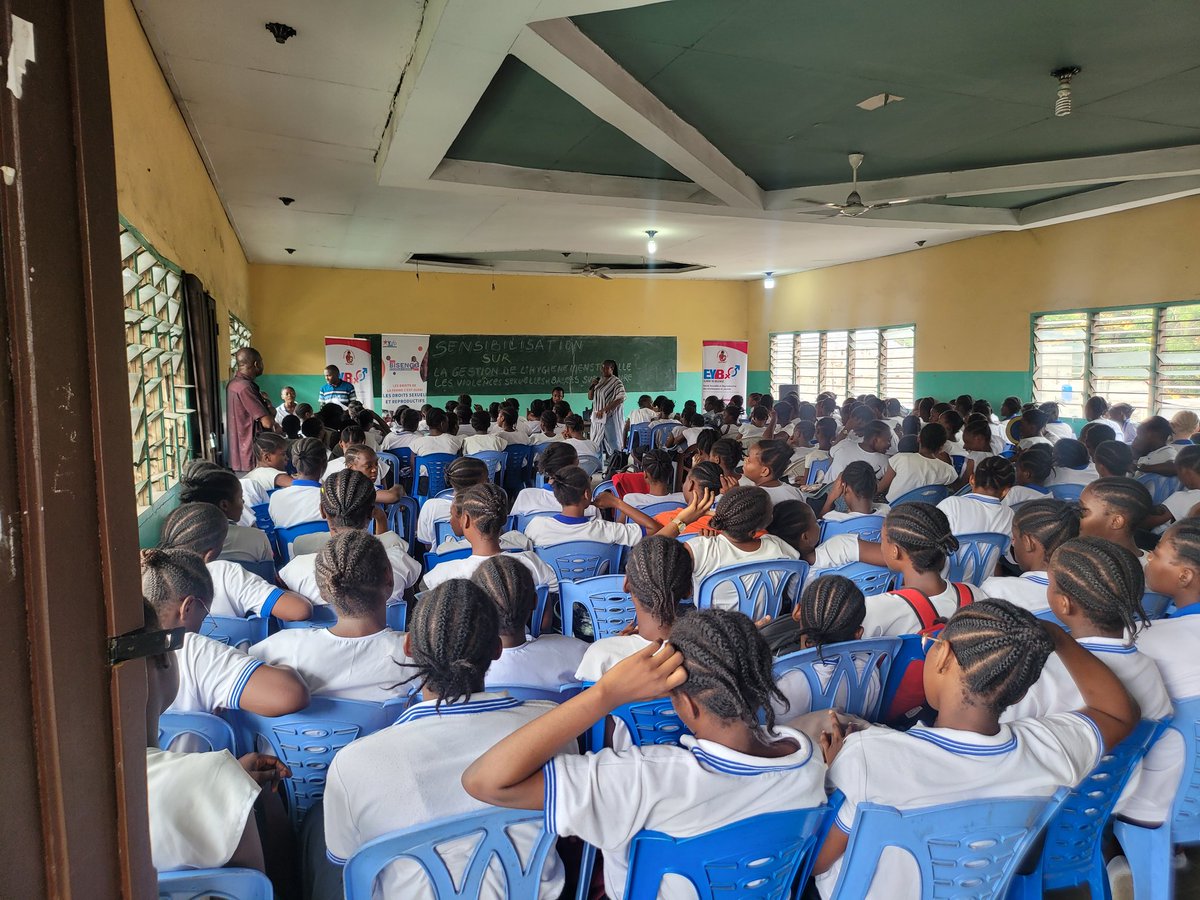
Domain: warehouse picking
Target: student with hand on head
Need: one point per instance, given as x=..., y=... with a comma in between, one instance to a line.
x=300, y=501
x=1155, y=448
x=906, y=472
x=700, y=490
x=1039, y=528
x=206, y=482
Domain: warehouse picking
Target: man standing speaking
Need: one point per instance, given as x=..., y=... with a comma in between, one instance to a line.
x=335, y=389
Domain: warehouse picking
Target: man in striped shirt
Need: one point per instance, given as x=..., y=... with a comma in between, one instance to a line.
x=335, y=389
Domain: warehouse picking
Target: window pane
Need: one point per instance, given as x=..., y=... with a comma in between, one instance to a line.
x=239, y=337
x=897, y=364
x=1122, y=355
x=864, y=361
x=807, y=360
x=1060, y=343
x=781, y=361
x=1178, y=359
x=835, y=354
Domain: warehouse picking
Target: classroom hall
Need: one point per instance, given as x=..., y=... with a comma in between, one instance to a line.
x=600, y=448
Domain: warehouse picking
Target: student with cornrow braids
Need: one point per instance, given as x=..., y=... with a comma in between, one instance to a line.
x=356, y=657
x=347, y=504
x=795, y=523
x=270, y=462
x=1096, y=592
x=606, y=798
x=1034, y=466
x=1113, y=458
x=1113, y=509
x=556, y=457
x=543, y=662
x=983, y=510
x=361, y=458
x=659, y=471
x=411, y=774
x=986, y=658
x=856, y=487
x=202, y=528
x=1039, y=528
x=206, y=482
x=765, y=466
x=572, y=489
x=212, y=676
x=727, y=453
x=702, y=485
x=300, y=502
x=1072, y=464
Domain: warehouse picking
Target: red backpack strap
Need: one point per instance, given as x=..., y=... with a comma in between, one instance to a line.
x=920, y=605
x=965, y=595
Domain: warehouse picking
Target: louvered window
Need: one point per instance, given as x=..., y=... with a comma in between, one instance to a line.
x=865, y=361
x=239, y=338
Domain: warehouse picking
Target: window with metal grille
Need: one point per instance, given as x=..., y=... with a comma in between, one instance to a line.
x=1146, y=356
x=239, y=338
x=864, y=361
x=159, y=393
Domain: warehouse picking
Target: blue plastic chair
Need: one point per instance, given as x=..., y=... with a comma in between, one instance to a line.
x=496, y=462
x=969, y=849
x=846, y=688
x=1069, y=492
x=817, y=470
x=964, y=490
x=759, y=857
x=263, y=568
x=234, y=884
x=639, y=437
x=1149, y=850
x=1160, y=486
x=397, y=615
x=664, y=506
x=285, y=537
x=402, y=519
x=539, y=608
x=604, y=600
x=323, y=616
x=760, y=586
x=523, y=519
x=930, y=493
x=213, y=731
x=235, y=631
x=308, y=740
x=576, y=560
x=395, y=466
x=660, y=431
x=518, y=471
x=433, y=480
x=589, y=464
x=1155, y=605
x=649, y=722
x=432, y=559
x=560, y=694
x=604, y=487
x=871, y=580
x=442, y=532
x=868, y=528
x=959, y=462
x=977, y=556
x=420, y=844
x=1071, y=853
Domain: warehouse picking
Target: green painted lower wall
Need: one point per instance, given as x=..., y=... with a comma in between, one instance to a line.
x=151, y=521
x=992, y=386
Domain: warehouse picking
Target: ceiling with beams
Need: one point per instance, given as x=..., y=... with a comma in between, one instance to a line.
x=514, y=131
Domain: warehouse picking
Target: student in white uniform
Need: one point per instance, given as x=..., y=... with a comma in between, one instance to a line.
x=358, y=657
x=984, y=661
x=856, y=487
x=1113, y=509
x=508, y=428
x=1174, y=570
x=1096, y=410
x=765, y=465
x=906, y=472
x=211, y=676
x=753, y=430
x=410, y=425
x=460, y=475
x=201, y=528
x=483, y=440
x=347, y=504
x=872, y=448
x=478, y=514
x=411, y=774
x=547, y=431
x=1113, y=458
x=978, y=445
x=1155, y=448
x=556, y=457
x=545, y=662
x=1029, y=430
x=206, y=482
x=982, y=511
x=439, y=440
x=1033, y=470
x=573, y=435
x=347, y=437
x=300, y=502
x=659, y=473
x=607, y=797
x=824, y=432
x=1055, y=429
x=1039, y=528
x=1072, y=465
x=1176, y=507
x=953, y=423
x=1096, y=592
x=795, y=523
x=572, y=489
x=270, y=461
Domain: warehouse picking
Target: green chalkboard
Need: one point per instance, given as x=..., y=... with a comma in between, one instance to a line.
x=524, y=364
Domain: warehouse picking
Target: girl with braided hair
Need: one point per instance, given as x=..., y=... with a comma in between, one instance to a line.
x=727, y=453
x=464, y=472
x=206, y=482
x=795, y=523
x=572, y=489
x=659, y=471
x=1179, y=504
x=347, y=504
x=1072, y=463
x=411, y=774
x=201, y=528
x=573, y=434
x=986, y=658
x=856, y=487
x=556, y=457
x=1096, y=592
x=1034, y=467
x=702, y=485
x=1113, y=458
x=983, y=510
x=300, y=502
x=1039, y=528
x=765, y=466
x=356, y=657
x=270, y=461
x=542, y=662
x=717, y=672
x=1113, y=509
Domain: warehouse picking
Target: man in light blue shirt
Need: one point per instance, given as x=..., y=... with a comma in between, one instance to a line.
x=335, y=389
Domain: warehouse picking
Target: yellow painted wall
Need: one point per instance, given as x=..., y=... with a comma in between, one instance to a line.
x=163, y=188
x=971, y=300
x=297, y=306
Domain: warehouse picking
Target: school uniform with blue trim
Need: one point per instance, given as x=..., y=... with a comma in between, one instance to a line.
x=1027, y=590
x=239, y=592
x=976, y=513
x=549, y=531
x=411, y=774
x=296, y=504
x=212, y=675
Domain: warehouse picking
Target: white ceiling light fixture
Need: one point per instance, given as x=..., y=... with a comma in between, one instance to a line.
x=769, y=281
x=1062, y=100
x=651, y=244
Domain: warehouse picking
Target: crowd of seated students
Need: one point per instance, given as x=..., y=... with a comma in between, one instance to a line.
x=1031, y=672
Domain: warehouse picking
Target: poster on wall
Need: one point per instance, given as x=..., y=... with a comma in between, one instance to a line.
x=405, y=368
x=726, y=365
x=353, y=357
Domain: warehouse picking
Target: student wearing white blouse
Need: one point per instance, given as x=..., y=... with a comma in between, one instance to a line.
x=765, y=465
x=1072, y=465
x=299, y=502
x=1039, y=528
x=982, y=511
x=572, y=487
x=873, y=448
x=909, y=471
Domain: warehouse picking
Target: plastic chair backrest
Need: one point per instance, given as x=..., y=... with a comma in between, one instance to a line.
x=397, y=615
x=496, y=462
x=542, y=592
x=1069, y=492
x=1160, y=486
x=528, y=692
x=217, y=884
x=968, y=849
x=871, y=580
x=576, y=560
x=308, y=740
x=492, y=827
x=964, y=490
x=639, y=437
x=523, y=519
x=660, y=431
x=930, y=493
x=589, y=464
x=517, y=471
x=263, y=568
x=604, y=487
x=431, y=481
x=323, y=616
x=402, y=519
x=235, y=631
x=442, y=532
x=445, y=494
x=665, y=506
x=433, y=559
x=846, y=688
x=758, y=857
x=394, y=465
x=284, y=537
x=760, y=586
x=817, y=470
x=866, y=527
x=976, y=557
x=604, y=600
x=649, y=722
x=213, y=731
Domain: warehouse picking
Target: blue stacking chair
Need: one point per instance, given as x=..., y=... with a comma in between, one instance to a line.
x=867, y=528
x=535, y=465
x=1150, y=849
x=442, y=532
x=665, y=506
x=307, y=741
x=576, y=560
x=846, y=689
x=402, y=519
x=542, y=592
x=959, y=462
x=189, y=884
x=262, y=520
x=213, y=731
x=395, y=465
x=639, y=437
x=397, y=615
x=523, y=520
x=235, y=631
x=433, y=559
x=760, y=586
x=1155, y=605
x=433, y=481
x=968, y=849
x=1071, y=853
x=603, y=598
x=660, y=431
x=977, y=555
x=817, y=470
x=1160, y=486
x=760, y=857
x=517, y=472
x=589, y=464
x=964, y=490
x=559, y=694
x=285, y=537
x=263, y=568
x=1069, y=492
x=604, y=487
x=496, y=462
x=930, y=493
x=492, y=827
x=648, y=722
x=323, y=616
x=871, y=580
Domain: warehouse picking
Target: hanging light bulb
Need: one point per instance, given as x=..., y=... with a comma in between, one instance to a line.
x=1062, y=99
x=769, y=281
x=651, y=244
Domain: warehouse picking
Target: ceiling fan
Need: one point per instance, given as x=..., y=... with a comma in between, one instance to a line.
x=590, y=271
x=854, y=206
